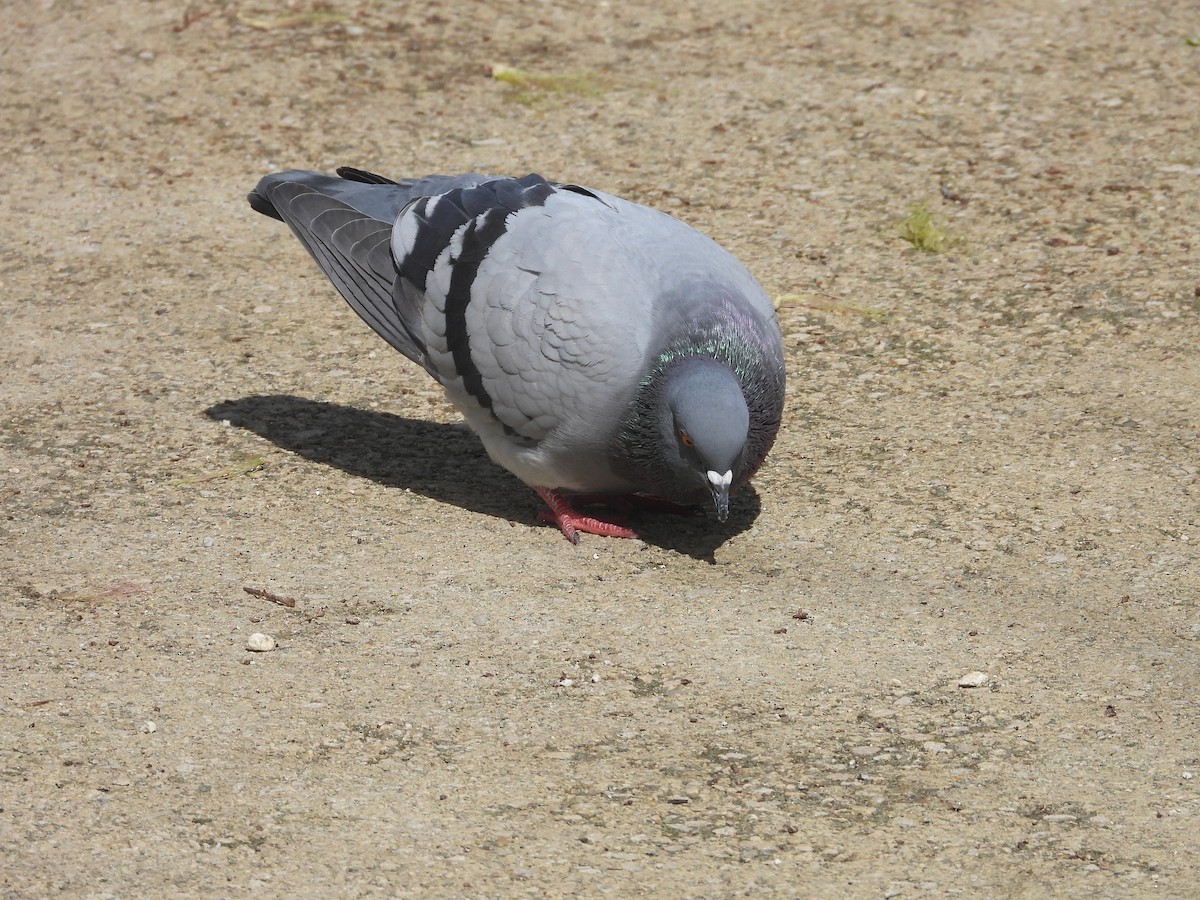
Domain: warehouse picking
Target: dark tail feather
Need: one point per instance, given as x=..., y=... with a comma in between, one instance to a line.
x=362, y=176
x=259, y=203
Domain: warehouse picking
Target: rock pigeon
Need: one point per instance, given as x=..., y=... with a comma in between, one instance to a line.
x=595, y=345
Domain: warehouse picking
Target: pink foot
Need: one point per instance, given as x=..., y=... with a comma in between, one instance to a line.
x=571, y=522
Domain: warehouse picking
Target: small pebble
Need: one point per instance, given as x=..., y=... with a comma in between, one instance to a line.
x=260, y=643
x=973, y=680
x=149, y=727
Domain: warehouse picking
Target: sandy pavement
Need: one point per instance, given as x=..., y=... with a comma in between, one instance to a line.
x=988, y=465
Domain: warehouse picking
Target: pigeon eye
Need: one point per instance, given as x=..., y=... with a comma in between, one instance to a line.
x=686, y=438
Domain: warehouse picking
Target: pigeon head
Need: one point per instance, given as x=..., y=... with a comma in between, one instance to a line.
x=708, y=421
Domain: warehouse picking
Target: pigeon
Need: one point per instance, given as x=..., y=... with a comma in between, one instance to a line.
x=599, y=348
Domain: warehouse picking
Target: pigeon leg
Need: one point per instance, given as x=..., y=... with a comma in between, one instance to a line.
x=571, y=522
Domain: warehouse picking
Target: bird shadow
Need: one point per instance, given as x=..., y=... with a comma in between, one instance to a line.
x=445, y=463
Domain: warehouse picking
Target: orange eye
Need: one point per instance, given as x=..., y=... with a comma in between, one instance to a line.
x=686, y=438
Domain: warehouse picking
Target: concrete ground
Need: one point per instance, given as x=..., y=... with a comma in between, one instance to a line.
x=988, y=465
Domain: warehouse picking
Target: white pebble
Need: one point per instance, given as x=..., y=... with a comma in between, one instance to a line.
x=260, y=643
x=973, y=680
x=149, y=727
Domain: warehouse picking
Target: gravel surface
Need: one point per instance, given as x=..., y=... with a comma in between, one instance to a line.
x=946, y=645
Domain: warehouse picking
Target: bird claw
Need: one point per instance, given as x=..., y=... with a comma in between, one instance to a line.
x=570, y=522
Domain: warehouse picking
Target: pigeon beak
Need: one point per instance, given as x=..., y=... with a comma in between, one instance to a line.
x=719, y=485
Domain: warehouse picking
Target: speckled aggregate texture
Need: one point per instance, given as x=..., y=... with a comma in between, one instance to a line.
x=988, y=465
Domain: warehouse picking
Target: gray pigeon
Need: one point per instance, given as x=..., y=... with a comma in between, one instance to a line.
x=595, y=345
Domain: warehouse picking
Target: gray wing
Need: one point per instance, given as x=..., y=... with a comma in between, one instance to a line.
x=346, y=223
x=545, y=313
x=525, y=318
